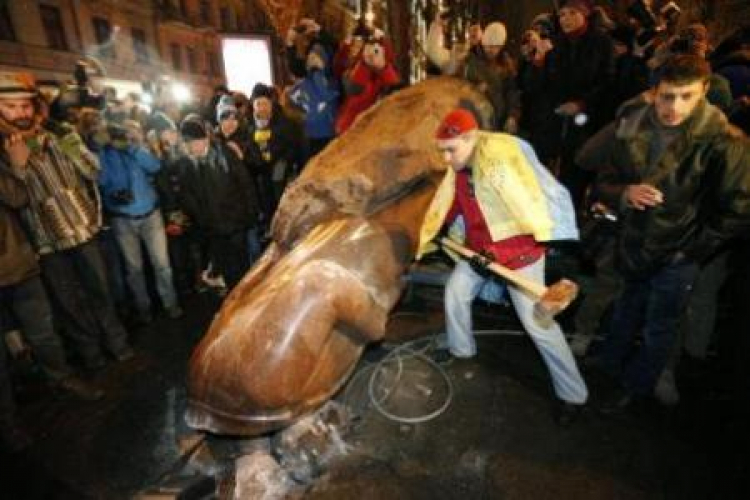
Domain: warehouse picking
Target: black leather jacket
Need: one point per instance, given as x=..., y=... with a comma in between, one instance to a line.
x=704, y=175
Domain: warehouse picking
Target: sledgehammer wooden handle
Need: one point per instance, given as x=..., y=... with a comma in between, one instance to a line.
x=549, y=300
x=537, y=290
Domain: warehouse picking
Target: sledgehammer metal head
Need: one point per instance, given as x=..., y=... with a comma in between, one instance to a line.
x=557, y=297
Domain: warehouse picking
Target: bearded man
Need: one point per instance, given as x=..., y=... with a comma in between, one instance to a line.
x=63, y=216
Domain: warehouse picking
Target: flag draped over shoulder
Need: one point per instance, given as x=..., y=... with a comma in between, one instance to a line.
x=516, y=194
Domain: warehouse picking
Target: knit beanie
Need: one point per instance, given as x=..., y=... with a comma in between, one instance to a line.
x=224, y=107
x=159, y=122
x=455, y=124
x=193, y=128
x=494, y=35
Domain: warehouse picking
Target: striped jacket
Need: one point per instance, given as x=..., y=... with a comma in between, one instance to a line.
x=64, y=209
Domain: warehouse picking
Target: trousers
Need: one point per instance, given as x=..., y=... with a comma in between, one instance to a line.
x=462, y=288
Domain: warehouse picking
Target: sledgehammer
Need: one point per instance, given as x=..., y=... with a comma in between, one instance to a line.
x=551, y=300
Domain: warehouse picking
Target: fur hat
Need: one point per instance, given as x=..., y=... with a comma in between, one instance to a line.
x=224, y=107
x=193, y=128
x=455, y=124
x=17, y=85
x=494, y=34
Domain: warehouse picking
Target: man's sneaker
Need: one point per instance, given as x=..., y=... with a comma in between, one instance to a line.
x=665, y=390
x=174, y=312
x=80, y=388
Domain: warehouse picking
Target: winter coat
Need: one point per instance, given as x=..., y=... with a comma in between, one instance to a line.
x=18, y=260
x=317, y=94
x=128, y=169
x=64, y=209
x=499, y=83
x=704, y=175
x=215, y=192
x=282, y=147
x=538, y=121
x=580, y=70
x=364, y=86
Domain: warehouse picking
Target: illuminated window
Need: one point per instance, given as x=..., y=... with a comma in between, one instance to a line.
x=53, y=27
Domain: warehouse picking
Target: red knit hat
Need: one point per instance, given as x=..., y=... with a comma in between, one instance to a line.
x=455, y=124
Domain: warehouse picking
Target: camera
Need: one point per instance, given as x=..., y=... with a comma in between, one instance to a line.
x=122, y=197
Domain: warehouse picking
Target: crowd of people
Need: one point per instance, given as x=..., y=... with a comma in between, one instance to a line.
x=89, y=180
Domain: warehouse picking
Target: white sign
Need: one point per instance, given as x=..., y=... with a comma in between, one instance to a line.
x=247, y=61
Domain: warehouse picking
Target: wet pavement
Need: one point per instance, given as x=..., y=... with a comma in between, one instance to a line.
x=496, y=439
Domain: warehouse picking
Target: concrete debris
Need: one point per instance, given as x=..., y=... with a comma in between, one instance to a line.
x=260, y=477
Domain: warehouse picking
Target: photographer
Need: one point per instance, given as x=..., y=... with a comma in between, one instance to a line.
x=131, y=201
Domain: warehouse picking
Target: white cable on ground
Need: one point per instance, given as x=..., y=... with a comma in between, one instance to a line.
x=407, y=351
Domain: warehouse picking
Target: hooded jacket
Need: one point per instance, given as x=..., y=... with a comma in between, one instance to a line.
x=317, y=94
x=704, y=175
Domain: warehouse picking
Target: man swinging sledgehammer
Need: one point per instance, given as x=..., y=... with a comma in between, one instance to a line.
x=506, y=203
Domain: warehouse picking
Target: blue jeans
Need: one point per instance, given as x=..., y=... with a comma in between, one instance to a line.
x=149, y=230
x=462, y=288
x=655, y=305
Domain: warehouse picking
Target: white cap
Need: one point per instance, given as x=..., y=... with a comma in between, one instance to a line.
x=494, y=34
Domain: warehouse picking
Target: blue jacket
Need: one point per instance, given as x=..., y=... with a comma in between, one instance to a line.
x=318, y=96
x=130, y=169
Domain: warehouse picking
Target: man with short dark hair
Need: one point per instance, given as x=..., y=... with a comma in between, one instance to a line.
x=678, y=173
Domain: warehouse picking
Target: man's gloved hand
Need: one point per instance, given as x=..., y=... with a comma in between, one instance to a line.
x=480, y=263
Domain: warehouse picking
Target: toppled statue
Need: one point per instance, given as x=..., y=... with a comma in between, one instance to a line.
x=291, y=332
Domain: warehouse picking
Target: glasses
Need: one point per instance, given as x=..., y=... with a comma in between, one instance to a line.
x=229, y=115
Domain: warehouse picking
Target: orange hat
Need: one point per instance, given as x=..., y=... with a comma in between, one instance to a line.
x=17, y=85
x=455, y=124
